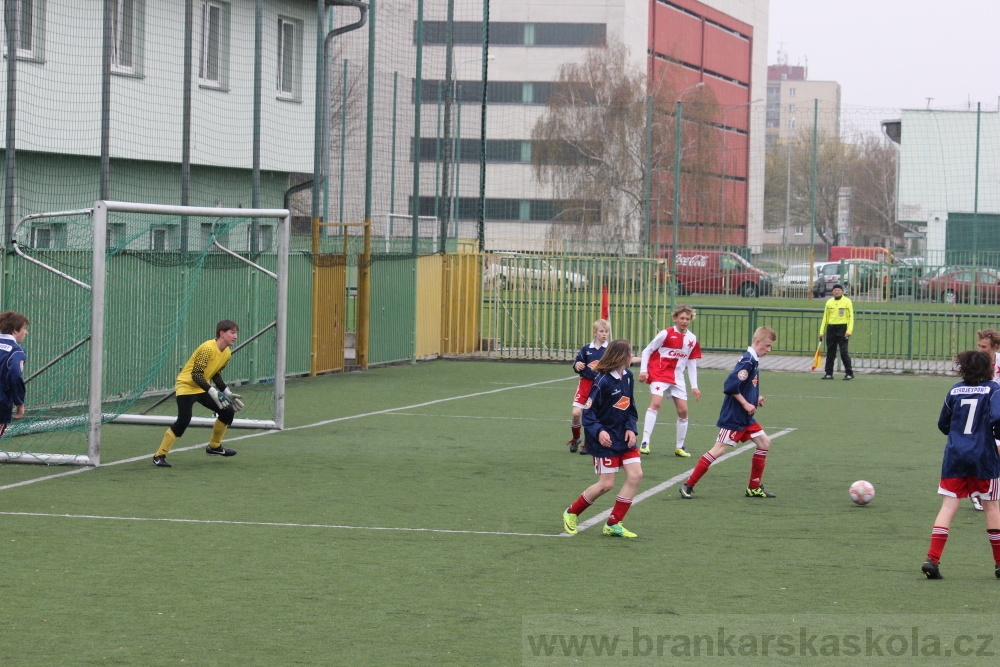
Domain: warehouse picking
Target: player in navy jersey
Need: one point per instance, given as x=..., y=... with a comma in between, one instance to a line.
x=988, y=340
x=583, y=365
x=739, y=407
x=13, y=329
x=663, y=364
x=971, y=420
x=610, y=425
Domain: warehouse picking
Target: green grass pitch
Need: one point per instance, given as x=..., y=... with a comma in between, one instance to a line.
x=411, y=516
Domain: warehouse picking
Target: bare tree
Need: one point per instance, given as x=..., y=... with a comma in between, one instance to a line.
x=591, y=147
x=873, y=190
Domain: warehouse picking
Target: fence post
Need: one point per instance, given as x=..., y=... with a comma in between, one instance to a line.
x=909, y=346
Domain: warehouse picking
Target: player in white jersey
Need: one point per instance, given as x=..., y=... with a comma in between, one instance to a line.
x=663, y=363
x=989, y=342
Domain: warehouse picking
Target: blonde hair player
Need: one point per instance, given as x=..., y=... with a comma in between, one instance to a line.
x=663, y=363
x=583, y=365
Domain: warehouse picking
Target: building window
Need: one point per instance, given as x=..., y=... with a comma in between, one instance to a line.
x=265, y=238
x=208, y=242
x=791, y=92
x=28, y=22
x=289, y=59
x=791, y=124
x=791, y=108
x=521, y=210
x=115, y=235
x=164, y=238
x=126, y=19
x=213, y=66
x=497, y=92
x=799, y=231
x=516, y=34
x=49, y=236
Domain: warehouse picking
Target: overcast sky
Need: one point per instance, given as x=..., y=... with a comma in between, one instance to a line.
x=894, y=53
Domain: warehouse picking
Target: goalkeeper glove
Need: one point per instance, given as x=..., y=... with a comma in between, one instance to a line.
x=236, y=400
x=217, y=398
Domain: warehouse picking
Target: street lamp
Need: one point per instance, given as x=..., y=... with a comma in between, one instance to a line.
x=456, y=149
x=677, y=189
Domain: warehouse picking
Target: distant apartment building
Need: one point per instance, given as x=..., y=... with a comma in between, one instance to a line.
x=792, y=103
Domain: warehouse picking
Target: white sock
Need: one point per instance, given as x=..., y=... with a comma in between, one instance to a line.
x=647, y=427
x=682, y=431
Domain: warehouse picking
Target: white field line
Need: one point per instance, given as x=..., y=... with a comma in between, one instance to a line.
x=662, y=486
x=280, y=525
x=76, y=471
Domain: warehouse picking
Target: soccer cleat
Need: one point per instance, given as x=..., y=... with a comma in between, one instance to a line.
x=686, y=491
x=569, y=523
x=827, y=377
x=996, y=571
x=617, y=530
x=930, y=568
x=848, y=377
x=683, y=453
x=583, y=448
x=221, y=451
x=644, y=448
x=978, y=506
x=161, y=462
x=759, y=492
x=573, y=446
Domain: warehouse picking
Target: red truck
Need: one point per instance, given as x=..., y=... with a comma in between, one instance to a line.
x=839, y=252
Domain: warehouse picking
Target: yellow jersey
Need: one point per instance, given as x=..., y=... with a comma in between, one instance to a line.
x=206, y=363
x=838, y=311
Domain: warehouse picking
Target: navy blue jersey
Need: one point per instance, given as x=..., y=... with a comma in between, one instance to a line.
x=589, y=355
x=967, y=417
x=12, y=358
x=742, y=380
x=612, y=409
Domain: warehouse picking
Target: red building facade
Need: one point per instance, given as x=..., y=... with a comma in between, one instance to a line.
x=691, y=43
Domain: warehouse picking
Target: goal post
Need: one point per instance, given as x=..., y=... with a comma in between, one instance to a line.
x=148, y=272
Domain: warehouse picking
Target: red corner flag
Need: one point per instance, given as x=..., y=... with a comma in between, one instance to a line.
x=817, y=358
x=605, y=304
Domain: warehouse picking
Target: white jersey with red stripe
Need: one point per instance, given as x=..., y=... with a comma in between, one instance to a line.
x=996, y=366
x=667, y=355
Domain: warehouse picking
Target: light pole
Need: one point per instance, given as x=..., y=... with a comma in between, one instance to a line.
x=456, y=149
x=677, y=190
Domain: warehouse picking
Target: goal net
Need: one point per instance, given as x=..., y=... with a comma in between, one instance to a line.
x=119, y=296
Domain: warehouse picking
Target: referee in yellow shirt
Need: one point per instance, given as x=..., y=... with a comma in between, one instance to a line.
x=192, y=386
x=837, y=326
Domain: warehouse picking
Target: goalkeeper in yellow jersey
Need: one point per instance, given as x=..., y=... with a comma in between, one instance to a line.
x=204, y=367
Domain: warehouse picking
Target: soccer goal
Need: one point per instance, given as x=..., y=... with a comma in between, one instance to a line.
x=397, y=232
x=118, y=296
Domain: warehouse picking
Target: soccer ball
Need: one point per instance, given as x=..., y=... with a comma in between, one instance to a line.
x=862, y=492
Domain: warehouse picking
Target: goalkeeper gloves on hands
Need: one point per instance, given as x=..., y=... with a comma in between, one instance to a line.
x=219, y=399
x=236, y=400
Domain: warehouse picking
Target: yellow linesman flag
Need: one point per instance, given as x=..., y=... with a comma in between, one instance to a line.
x=817, y=358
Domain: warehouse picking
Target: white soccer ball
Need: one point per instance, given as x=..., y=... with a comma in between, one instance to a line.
x=862, y=492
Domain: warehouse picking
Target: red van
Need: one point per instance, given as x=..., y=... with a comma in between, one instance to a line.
x=839, y=252
x=716, y=272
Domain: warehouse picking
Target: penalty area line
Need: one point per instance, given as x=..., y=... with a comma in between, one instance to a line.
x=663, y=486
x=133, y=459
x=276, y=524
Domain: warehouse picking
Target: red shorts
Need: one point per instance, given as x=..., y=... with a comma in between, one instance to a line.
x=606, y=464
x=582, y=393
x=3, y=428
x=963, y=487
x=733, y=438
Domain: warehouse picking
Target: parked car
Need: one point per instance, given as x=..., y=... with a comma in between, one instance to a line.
x=716, y=272
x=524, y=272
x=960, y=284
x=797, y=280
x=856, y=276
x=905, y=276
x=619, y=274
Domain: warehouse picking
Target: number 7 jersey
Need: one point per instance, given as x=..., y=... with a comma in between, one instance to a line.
x=967, y=418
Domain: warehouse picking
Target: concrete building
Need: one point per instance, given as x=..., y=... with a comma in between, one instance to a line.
x=61, y=104
x=791, y=103
x=721, y=44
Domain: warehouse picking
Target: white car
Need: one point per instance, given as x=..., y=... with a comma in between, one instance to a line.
x=525, y=272
x=796, y=279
